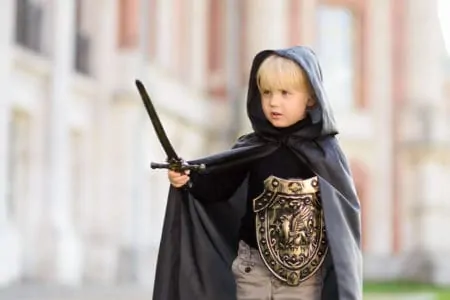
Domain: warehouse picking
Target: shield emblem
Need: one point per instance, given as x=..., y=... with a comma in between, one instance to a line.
x=290, y=228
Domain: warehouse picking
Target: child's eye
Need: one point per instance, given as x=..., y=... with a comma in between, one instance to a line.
x=266, y=92
x=284, y=92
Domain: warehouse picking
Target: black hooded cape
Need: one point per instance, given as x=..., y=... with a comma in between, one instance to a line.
x=199, y=241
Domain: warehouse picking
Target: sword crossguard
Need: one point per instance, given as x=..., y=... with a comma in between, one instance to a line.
x=177, y=166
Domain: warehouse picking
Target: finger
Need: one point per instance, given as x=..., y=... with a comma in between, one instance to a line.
x=175, y=175
x=179, y=184
x=182, y=180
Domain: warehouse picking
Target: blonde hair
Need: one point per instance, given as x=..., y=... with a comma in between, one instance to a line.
x=277, y=73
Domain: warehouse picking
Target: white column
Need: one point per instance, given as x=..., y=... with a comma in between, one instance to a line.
x=308, y=21
x=165, y=25
x=428, y=125
x=267, y=25
x=378, y=203
x=380, y=98
x=101, y=211
x=6, y=43
x=9, y=243
x=123, y=191
x=67, y=260
x=425, y=52
x=199, y=41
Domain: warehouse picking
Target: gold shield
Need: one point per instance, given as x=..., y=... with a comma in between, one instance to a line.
x=290, y=228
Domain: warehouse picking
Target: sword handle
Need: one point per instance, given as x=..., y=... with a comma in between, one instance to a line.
x=177, y=167
x=154, y=165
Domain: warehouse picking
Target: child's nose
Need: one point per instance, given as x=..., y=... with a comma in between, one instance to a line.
x=274, y=100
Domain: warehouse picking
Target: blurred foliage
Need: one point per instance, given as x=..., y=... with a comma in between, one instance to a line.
x=398, y=287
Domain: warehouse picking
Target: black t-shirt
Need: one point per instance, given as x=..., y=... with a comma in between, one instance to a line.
x=282, y=163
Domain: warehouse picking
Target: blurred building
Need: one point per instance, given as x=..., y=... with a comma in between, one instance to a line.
x=78, y=203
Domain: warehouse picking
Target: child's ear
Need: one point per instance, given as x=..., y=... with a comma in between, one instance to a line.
x=311, y=102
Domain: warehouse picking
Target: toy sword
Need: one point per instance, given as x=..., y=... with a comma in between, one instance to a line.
x=173, y=161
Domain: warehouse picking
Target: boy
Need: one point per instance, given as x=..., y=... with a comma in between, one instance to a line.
x=299, y=235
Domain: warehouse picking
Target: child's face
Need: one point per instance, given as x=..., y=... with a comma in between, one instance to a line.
x=284, y=107
x=285, y=91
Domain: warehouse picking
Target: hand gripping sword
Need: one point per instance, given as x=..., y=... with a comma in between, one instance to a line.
x=173, y=161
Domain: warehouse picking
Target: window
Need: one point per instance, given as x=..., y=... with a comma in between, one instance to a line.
x=336, y=49
x=227, y=46
x=216, y=48
x=128, y=23
x=83, y=40
x=129, y=26
x=29, y=24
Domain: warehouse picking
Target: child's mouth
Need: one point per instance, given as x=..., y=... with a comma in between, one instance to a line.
x=276, y=115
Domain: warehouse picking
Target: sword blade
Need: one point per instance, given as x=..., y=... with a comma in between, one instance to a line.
x=160, y=132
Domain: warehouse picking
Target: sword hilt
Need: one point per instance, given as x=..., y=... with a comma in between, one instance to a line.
x=178, y=167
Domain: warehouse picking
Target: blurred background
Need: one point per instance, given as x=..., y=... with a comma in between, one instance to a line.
x=81, y=211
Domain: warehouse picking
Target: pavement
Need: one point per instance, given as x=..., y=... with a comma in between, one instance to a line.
x=25, y=292
x=22, y=292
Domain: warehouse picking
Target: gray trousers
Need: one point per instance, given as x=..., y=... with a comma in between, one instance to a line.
x=255, y=282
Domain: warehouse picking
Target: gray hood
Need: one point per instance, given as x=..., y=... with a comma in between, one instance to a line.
x=321, y=116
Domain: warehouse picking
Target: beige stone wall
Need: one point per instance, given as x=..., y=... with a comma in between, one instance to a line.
x=87, y=208
x=85, y=205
